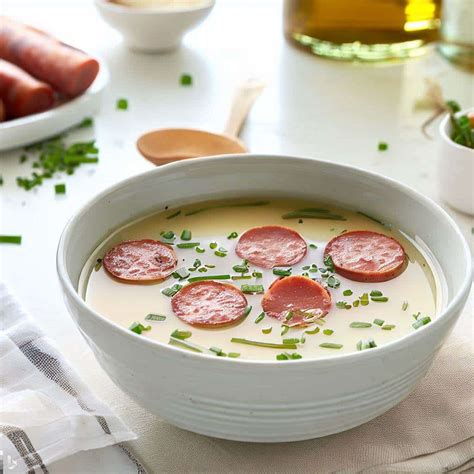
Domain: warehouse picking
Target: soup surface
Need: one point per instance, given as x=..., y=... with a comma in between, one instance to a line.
x=360, y=314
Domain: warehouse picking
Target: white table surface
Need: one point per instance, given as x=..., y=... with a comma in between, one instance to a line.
x=311, y=107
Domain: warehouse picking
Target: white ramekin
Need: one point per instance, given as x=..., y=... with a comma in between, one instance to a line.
x=153, y=29
x=455, y=169
x=263, y=401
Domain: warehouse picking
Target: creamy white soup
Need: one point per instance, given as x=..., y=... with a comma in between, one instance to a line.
x=344, y=280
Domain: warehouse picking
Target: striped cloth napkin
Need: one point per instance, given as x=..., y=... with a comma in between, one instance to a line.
x=46, y=411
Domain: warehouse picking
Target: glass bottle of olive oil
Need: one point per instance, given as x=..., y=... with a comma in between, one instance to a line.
x=364, y=30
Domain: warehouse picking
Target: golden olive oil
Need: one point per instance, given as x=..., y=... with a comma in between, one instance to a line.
x=367, y=30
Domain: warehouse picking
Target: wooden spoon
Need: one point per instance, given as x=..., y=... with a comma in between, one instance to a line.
x=172, y=144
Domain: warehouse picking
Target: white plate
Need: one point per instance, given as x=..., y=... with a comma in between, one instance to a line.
x=27, y=130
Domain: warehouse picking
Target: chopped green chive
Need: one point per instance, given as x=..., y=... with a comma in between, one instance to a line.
x=287, y=356
x=306, y=267
x=284, y=329
x=10, y=239
x=388, y=327
x=330, y=345
x=341, y=304
x=252, y=289
x=213, y=245
x=86, y=122
x=421, y=322
x=200, y=250
x=186, y=80
x=240, y=268
x=267, y=330
x=187, y=245
x=181, y=334
x=197, y=263
x=155, y=317
x=378, y=322
x=186, y=234
x=329, y=263
x=186, y=345
x=367, y=344
x=389, y=226
x=313, y=246
x=138, y=328
x=257, y=274
x=209, y=277
x=122, y=104
x=291, y=340
x=379, y=299
x=282, y=357
x=98, y=264
x=259, y=317
x=269, y=345
x=241, y=277
x=376, y=293
x=417, y=315
x=168, y=235
x=218, y=253
x=207, y=265
x=333, y=282
x=359, y=325
x=328, y=332
x=232, y=235
x=347, y=292
x=202, y=270
x=181, y=273
x=217, y=350
x=313, y=213
x=382, y=146
x=289, y=315
x=355, y=303
x=60, y=188
x=405, y=306
x=247, y=311
x=172, y=290
x=312, y=331
x=233, y=355
x=281, y=272
x=364, y=299
x=175, y=214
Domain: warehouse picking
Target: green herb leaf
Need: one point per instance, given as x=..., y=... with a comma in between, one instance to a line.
x=259, y=317
x=155, y=317
x=252, y=289
x=388, y=327
x=282, y=272
x=232, y=235
x=421, y=322
x=209, y=277
x=312, y=331
x=378, y=322
x=171, y=291
x=10, y=239
x=328, y=332
x=181, y=273
x=186, y=234
x=382, y=146
x=329, y=263
x=138, y=327
x=267, y=330
x=405, y=306
x=330, y=345
x=181, y=334
x=186, y=80
x=347, y=292
x=269, y=345
x=122, y=104
x=187, y=245
x=360, y=325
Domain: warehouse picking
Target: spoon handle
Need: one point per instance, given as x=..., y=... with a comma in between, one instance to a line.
x=244, y=97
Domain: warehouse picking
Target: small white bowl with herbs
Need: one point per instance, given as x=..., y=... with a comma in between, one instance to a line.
x=456, y=158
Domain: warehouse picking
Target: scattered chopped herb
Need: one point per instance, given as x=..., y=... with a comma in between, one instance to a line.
x=417, y=315
x=252, y=289
x=241, y=277
x=186, y=345
x=10, y=239
x=270, y=345
x=282, y=272
x=209, y=277
x=175, y=214
x=378, y=322
x=341, y=304
x=172, y=290
x=218, y=351
x=284, y=329
x=209, y=265
x=328, y=332
x=220, y=253
x=388, y=327
x=313, y=246
x=186, y=234
x=220, y=206
x=181, y=334
x=213, y=245
x=259, y=317
x=181, y=273
x=330, y=345
x=313, y=213
x=289, y=315
x=291, y=340
x=186, y=80
x=306, y=267
x=421, y=322
x=360, y=325
x=288, y=356
x=367, y=344
x=379, y=299
x=247, y=311
x=188, y=245
x=267, y=330
x=347, y=292
x=138, y=327
x=389, y=226
x=200, y=250
x=333, y=282
x=86, y=122
x=233, y=355
x=257, y=274
x=376, y=293
x=60, y=188
x=405, y=306
x=232, y=235
x=197, y=263
x=382, y=146
x=155, y=317
x=355, y=303
x=202, y=270
x=364, y=299
x=168, y=235
x=312, y=331
x=241, y=268
x=329, y=263
x=98, y=264
x=122, y=104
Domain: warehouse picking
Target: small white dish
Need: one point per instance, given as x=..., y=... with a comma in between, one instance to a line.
x=153, y=29
x=263, y=401
x=26, y=130
x=455, y=169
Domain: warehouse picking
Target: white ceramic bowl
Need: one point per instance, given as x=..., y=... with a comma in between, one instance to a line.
x=153, y=29
x=264, y=401
x=455, y=169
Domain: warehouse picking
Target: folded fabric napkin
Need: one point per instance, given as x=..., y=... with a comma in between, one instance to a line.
x=46, y=411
